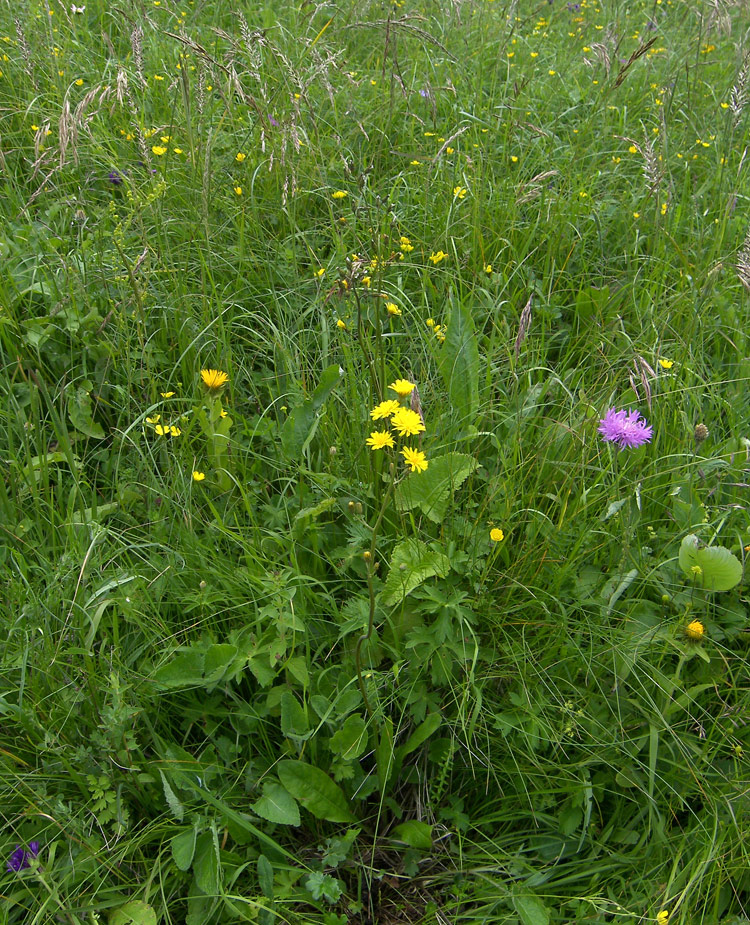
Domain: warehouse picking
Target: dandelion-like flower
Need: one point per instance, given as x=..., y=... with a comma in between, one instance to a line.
x=497, y=535
x=407, y=422
x=214, y=379
x=339, y=194
x=385, y=409
x=379, y=439
x=402, y=387
x=414, y=459
x=625, y=428
x=695, y=630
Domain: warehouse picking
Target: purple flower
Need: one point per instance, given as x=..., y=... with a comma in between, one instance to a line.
x=425, y=94
x=273, y=122
x=19, y=860
x=625, y=428
x=115, y=178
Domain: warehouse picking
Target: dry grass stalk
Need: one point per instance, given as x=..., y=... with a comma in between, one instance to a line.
x=28, y=65
x=524, y=323
x=136, y=43
x=533, y=189
x=743, y=262
x=603, y=55
x=640, y=50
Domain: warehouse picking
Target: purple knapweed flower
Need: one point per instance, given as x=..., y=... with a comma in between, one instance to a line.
x=19, y=860
x=625, y=428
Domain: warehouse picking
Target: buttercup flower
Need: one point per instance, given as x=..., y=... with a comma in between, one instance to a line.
x=407, y=422
x=214, y=379
x=415, y=459
x=198, y=476
x=154, y=419
x=166, y=394
x=497, y=535
x=159, y=150
x=19, y=859
x=340, y=324
x=695, y=630
x=402, y=387
x=239, y=157
x=459, y=192
x=385, y=409
x=167, y=430
x=625, y=428
x=488, y=268
x=379, y=439
x=392, y=308
x=666, y=364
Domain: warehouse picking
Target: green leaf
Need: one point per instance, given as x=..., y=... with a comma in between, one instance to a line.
x=299, y=427
x=459, y=363
x=265, y=876
x=294, y=722
x=713, y=568
x=433, y=489
x=531, y=910
x=351, y=740
x=175, y=806
x=183, y=848
x=384, y=756
x=315, y=790
x=206, y=868
x=277, y=805
x=184, y=670
x=134, y=912
x=420, y=735
x=81, y=416
x=414, y=833
x=412, y=563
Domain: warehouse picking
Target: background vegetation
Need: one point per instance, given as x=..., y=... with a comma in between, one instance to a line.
x=253, y=670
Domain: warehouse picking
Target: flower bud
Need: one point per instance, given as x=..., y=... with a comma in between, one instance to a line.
x=695, y=630
x=700, y=433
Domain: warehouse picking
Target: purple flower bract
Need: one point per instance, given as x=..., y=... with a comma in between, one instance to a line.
x=625, y=428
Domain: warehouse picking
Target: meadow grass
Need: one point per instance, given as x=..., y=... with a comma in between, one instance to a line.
x=254, y=670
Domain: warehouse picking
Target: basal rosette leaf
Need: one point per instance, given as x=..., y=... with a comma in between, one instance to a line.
x=713, y=568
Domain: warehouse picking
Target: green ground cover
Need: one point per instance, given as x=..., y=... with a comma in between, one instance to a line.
x=284, y=643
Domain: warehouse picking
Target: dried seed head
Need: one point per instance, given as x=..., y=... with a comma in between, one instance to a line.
x=700, y=433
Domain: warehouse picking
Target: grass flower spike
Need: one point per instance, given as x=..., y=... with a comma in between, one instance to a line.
x=625, y=428
x=379, y=440
x=415, y=459
x=407, y=422
x=214, y=379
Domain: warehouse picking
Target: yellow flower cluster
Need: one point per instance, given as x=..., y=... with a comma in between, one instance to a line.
x=405, y=421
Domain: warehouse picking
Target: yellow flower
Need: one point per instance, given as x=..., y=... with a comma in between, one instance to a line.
x=153, y=420
x=430, y=322
x=366, y=281
x=166, y=394
x=166, y=430
x=379, y=439
x=415, y=459
x=459, y=192
x=662, y=917
x=320, y=272
x=240, y=157
x=198, y=476
x=407, y=422
x=497, y=535
x=392, y=308
x=339, y=194
x=79, y=82
x=664, y=208
x=488, y=268
x=159, y=150
x=632, y=149
x=214, y=379
x=174, y=430
x=177, y=150
x=414, y=163
x=406, y=246
x=385, y=409
x=438, y=257
x=666, y=364
x=695, y=630
x=402, y=387
x=238, y=190
x=449, y=150
x=340, y=324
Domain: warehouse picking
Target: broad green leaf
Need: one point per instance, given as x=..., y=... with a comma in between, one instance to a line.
x=714, y=568
x=412, y=563
x=384, y=756
x=277, y=805
x=183, y=848
x=315, y=790
x=351, y=740
x=218, y=661
x=420, y=735
x=298, y=428
x=433, y=489
x=414, y=833
x=134, y=912
x=459, y=363
x=294, y=722
x=81, y=415
x=184, y=670
x=206, y=864
x=265, y=876
x=175, y=806
x=531, y=910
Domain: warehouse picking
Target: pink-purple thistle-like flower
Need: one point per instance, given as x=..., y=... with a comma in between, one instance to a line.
x=625, y=428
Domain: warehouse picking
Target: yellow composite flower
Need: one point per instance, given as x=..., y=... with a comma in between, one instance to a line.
x=385, y=409
x=198, y=476
x=379, y=439
x=438, y=257
x=459, y=192
x=402, y=387
x=392, y=308
x=497, y=535
x=415, y=459
x=214, y=379
x=695, y=630
x=407, y=422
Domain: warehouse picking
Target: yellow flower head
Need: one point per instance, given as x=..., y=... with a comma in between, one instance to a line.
x=385, y=409
x=239, y=157
x=406, y=246
x=320, y=272
x=238, y=190
x=154, y=419
x=438, y=257
x=159, y=150
x=666, y=364
x=407, y=422
x=366, y=281
x=402, y=387
x=392, y=308
x=459, y=192
x=415, y=459
x=662, y=917
x=430, y=322
x=488, y=268
x=198, y=476
x=214, y=379
x=340, y=324
x=166, y=394
x=695, y=630
x=339, y=194
x=167, y=430
x=379, y=439
x=497, y=535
